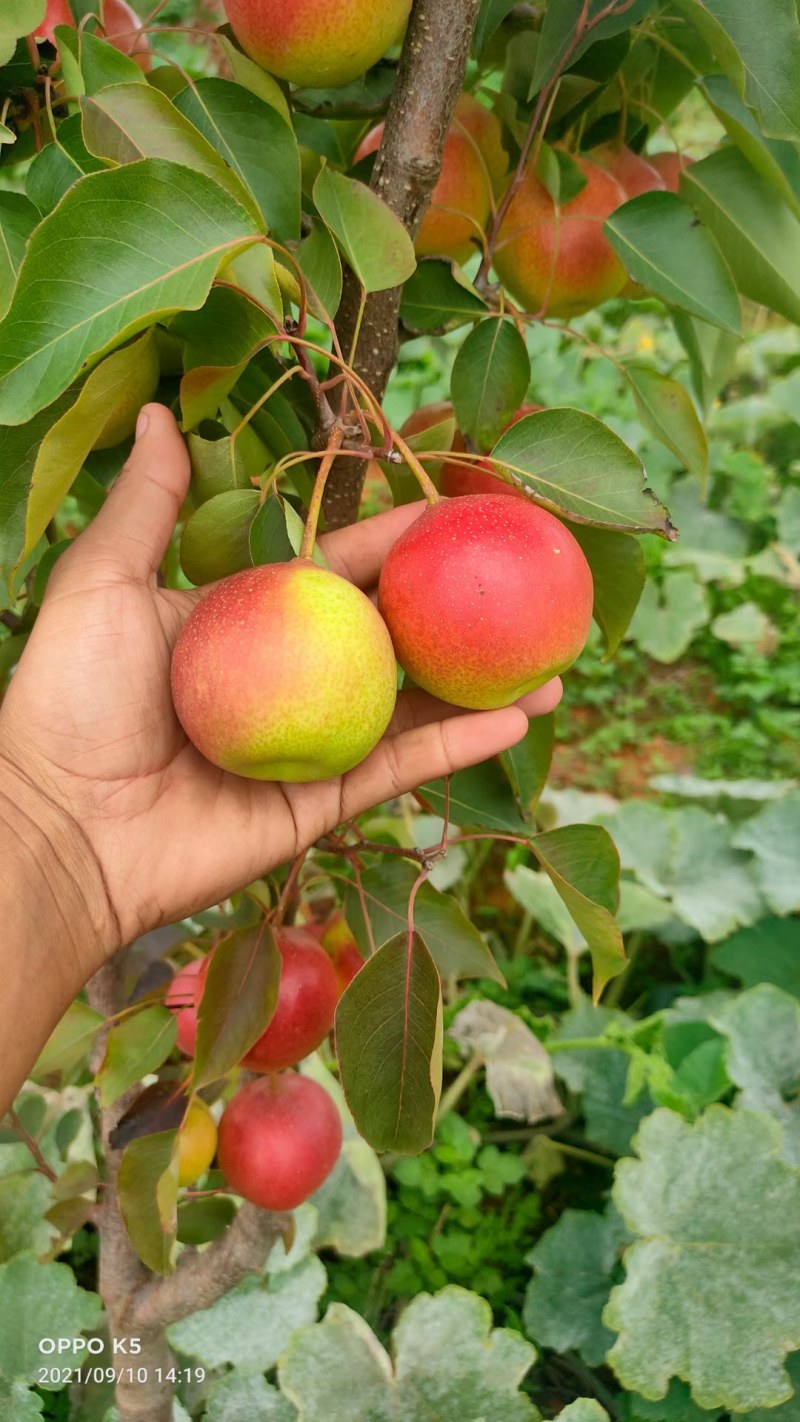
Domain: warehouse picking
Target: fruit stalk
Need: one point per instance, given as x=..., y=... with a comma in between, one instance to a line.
x=426, y=484
x=335, y=439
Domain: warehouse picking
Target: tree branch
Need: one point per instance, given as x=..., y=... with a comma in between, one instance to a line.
x=201, y=1278
x=406, y=171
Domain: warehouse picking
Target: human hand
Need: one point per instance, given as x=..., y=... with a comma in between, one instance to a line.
x=88, y=723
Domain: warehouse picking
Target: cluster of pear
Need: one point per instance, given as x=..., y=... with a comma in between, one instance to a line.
x=287, y=672
x=553, y=259
x=280, y=1136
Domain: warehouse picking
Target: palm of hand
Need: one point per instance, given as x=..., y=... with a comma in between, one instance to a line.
x=89, y=716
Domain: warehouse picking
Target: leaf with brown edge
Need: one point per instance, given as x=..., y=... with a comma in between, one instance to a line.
x=147, y=1191
x=583, y=863
x=241, y=990
x=389, y=1044
x=576, y=466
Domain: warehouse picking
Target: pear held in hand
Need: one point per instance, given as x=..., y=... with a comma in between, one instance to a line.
x=284, y=672
x=486, y=599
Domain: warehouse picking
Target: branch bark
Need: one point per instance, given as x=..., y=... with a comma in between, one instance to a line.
x=406, y=171
x=138, y=1303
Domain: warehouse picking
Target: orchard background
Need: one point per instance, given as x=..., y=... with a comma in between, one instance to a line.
x=584, y=1198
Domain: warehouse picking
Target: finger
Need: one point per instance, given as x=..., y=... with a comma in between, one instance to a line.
x=134, y=526
x=357, y=553
x=418, y=708
x=409, y=758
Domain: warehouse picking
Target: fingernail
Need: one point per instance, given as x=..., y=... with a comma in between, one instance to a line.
x=142, y=423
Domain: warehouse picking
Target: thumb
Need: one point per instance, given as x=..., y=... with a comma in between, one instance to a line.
x=133, y=528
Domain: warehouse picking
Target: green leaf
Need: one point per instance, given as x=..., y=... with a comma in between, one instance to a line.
x=134, y=1048
x=758, y=235
x=109, y=401
x=70, y=1042
x=147, y=1192
x=618, y=573
x=762, y=1028
x=490, y=379
x=19, y=17
x=438, y=297
x=556, y=41
x=583, y=864
x=490, y=17
x=667, y=410
x=251, y=1325
x=457, y=948
x=216, y=540
x=580, y=469
x=775, y=159
x=126, y=122
x=527, y=764
x=251, y=76
x=220, y=340
x=204, y=1218
x=269, y=535
x=769, y=952
x=257, y=143
x=172, y=230
x=664, y=248
x=446, y=1355
x=666, y=620
x=39, y=1301
x=711, y=1263
x=539, y=897
x=389, y=1030
x=759, y=50
x=712, y=355
x=59, y=165
x=218, y=463
x=574, y=1263
x=321, y=265
x=773, y=837
x=483, y=795
x=18, y=218
x=90, y=63
x=373, y=241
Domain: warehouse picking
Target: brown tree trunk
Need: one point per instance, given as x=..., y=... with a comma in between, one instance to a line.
x=406, y=171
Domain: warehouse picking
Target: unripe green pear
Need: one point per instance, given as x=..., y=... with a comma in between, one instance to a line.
x=317, y=44
x=486, y=599
x=284, y=672
x=558, y=259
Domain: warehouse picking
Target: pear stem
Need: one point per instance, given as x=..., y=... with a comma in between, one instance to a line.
x=335, y=441
x=424, y=480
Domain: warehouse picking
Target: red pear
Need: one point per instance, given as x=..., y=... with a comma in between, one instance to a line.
x=558, y=259
x=279, y=1139
x=486, y=599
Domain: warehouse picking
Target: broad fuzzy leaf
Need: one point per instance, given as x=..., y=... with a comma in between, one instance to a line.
x=711, y=1264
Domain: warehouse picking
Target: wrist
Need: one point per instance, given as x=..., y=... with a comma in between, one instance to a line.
x=51, y=875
